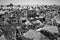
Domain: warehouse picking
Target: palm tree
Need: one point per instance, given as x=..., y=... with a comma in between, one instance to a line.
x=11, y=4
x=46, y=6
x=19, y=6
x=1, y=6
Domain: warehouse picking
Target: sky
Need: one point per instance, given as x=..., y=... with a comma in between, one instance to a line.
x=30, y=2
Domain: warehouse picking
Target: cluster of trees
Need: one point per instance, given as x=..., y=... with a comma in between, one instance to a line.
x=9, y=21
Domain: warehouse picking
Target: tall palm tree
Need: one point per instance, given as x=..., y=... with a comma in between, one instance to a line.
x=19, y=5
x=1, y=6
x=11, y=4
